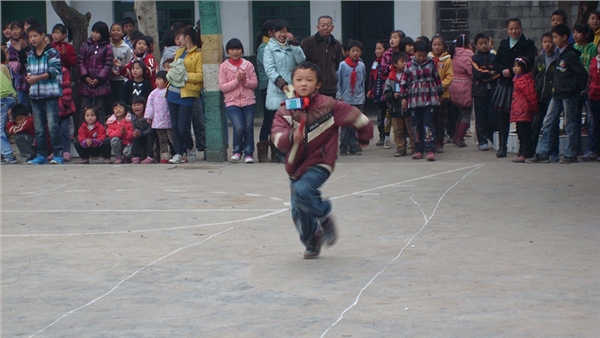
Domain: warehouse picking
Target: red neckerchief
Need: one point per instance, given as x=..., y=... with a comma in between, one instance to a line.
x=392, y=75
x=374, y=71
x=236, y=63
x=353, y=75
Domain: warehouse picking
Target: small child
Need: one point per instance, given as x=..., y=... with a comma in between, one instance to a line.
x=128, y=25
x=144, y=136
x=461, y=86
x=143, y=52
x=17, y=60
x=122, y=55
x=400, y=117
x=376, y=85
x=91, y=138
x=584, y=42
x=420, y=91
x=524, y=105
x=157, y=114
x=309, y=137
x=443, y=63
x=593, y=139
x=485, y=78
x=139, y=85
x=20, y=126
x=237, y=81
x=351, y=89
x=8, y=98
x=407, y=46
x=120, y=133
x=386, y=59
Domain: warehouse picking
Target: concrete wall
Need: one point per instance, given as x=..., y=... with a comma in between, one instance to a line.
x=331, y=8
x=408, y=16
x=236, y=22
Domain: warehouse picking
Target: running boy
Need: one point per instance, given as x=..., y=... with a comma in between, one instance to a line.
x=309, y=136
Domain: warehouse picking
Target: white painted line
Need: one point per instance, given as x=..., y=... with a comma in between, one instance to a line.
x=427, y=219
x=127, y=190
x=171, y=190
x=276, y=198
x=253, y=195
x=24, y=193
x=131, y=210
x=77, y=190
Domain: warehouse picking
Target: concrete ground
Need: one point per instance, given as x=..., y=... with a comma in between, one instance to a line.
x=467, y=246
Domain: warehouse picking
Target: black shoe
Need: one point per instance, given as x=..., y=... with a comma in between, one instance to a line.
x=501, y=152
x=313, y=248
x=569, y=160
x=379, y=143
x=330, y=236
x=537, y=158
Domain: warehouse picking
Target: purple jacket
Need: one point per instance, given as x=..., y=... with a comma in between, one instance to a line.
x=95, y=61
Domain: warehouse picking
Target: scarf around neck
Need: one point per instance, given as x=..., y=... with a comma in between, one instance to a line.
x=352, y=64
x=236, y=63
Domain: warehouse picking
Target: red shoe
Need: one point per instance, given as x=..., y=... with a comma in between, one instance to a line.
x=148, y=160
x=136, y=160
x=164, y=161
x=430, y=156
x=417, y=156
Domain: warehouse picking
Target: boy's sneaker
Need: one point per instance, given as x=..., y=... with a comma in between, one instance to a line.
x=313, y=248
x=386, y=144
x=176, y=159
x=569, y=160
x=249, y=159
x=236, y=157
x=484, y=147
x=343, y=153
x=10, y=159
x=330, y=236
x=148, y=160
x=357, y=153
x=119, y=160
x=554, y=158
x=399, y=153
x=379, y=143
x=430, y=156
x=589, y=156
x=417, y=156
x=58, y=160
x=67, y=156
x=38, y=160
x=537, y=158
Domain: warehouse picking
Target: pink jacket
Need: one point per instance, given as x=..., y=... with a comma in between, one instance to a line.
x=460, y=88
x=236, y=93
x=157, y=109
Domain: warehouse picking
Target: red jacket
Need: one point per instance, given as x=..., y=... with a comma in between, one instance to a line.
x=151, y=68
x=66, y=106
x=67, y=54
x=524, y=100
x=26, y=127
x=594, y=82
x=97, y=135
x=323, y=117
x=114, y=128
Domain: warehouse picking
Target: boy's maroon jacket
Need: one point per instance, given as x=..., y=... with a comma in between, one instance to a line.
x=26, y=127
x=324, y=116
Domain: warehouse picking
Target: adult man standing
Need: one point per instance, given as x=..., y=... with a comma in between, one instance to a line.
x=325, y=51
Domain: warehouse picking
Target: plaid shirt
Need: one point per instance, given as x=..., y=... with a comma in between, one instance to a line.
x=48, y=62
x=18, y=68
x=421, y=85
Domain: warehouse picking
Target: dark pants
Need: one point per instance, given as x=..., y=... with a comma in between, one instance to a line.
x=453, y=115
x=181, y=123
x=306, y=204
x=348, y=138
x=117, y=91
x=525, y=146
x=423, y=131
x=64, y=124
x=86, y=153
x=199, y=124
x=503, y=128
x=45, y=120
x=26, y=145
x=380, y=110
x=440, y=120
x=144, y=145
x=593, y=138
x=486, y=118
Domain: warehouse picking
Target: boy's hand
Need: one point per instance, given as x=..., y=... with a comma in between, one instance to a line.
x=149, y=121
x=506, y=73
x=363, y=144
x=88, y=141
x=117, y=62
x=396, y=95
x=370, y=94
x=298, y=135
x=136, y=133
x=32, y=79
x=404, y=104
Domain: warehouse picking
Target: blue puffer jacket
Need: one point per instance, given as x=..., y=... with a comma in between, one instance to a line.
x=278, y=62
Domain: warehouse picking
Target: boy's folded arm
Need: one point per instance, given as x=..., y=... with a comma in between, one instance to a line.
x=282, y=131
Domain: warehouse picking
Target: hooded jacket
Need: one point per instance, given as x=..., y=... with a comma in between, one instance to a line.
x=113, y=128
x=524, y=100
x=570, y=76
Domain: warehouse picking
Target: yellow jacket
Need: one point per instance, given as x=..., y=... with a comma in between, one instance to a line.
x=193, y=65
x=444, y=68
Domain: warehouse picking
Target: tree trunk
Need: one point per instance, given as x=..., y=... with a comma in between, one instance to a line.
x=584, y=8
x=145, y=12
x=79, y=26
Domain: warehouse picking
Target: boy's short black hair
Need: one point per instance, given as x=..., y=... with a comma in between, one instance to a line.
x=561, y=13
x=127, y=20
x=30, y=20
x=546, y=35
x=354, y=43
x=399, y=56
x=384, y=43
x=168, y=38
x=561, y=30
x=138, y=99
x=37, y=28
x=480, y=36
x=421, y=46
x=311, y=66
x=19, y=110
x=234, y=44
x=424, y=38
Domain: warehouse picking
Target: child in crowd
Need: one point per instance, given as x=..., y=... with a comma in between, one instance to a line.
x=461, y=86
x=128, y=25
x=593, y=138
x=139, y=85
x=375, y=92
x=584, y=43
x=17, y=60
x=485, y=78
x=91, y=137
x=142, y=52
x=407, y=46
x=386, y=59
x=44, y=74
x=60, y=35
x=420, y=91
x=351, y=89
x=311, y=153
x=144, y=136
x=120, y=133
x=122, y=55
x=400, y=117
x=443, y=64
x=95, y=62
x=543, y=74
x=8, y=98
x=524, y=105
x=157, y=114
x=237, y=81
x=570, y=80
x=20, y=126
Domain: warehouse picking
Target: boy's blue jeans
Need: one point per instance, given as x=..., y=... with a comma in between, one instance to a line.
x=7, y=103
x=306, y=203
x=593, y=127
x=242, y=119
x=572, y=121
x=45, y=113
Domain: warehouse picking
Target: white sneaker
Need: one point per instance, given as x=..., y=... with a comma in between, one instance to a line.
x=386, y=144
x=249, y=159
x=236, y=157
x=176, y=159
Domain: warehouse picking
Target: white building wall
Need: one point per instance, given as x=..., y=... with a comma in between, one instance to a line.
x=407, y=17
x=236, y=22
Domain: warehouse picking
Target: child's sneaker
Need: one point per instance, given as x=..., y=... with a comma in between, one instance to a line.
x=589, y=156
x=330, y=236
x=106, y=160
x=236, y=157
x=148, y=160
x=136, y=160
x=537, y=158
x=10, y=159
x=38, y=160
x=67, y=156
x=386, y=144
x=484, y=147
x=380, y=142
x=249, y=159
x=83, y=161
x=57, y=160
x=191, y=155
x=520, y=159
x=417, y=156
x=399, y=153
x=176, y=159
x=569, y=160
x=119, y=160
x=430, y=156
x=343, y=153
x=313, y=248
